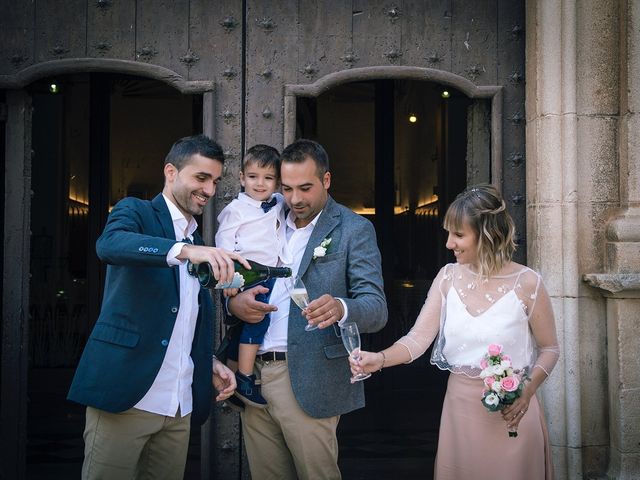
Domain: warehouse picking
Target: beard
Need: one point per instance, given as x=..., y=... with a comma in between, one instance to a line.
x=188, y=204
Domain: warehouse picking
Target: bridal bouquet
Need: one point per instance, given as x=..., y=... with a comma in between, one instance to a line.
x=503, y=384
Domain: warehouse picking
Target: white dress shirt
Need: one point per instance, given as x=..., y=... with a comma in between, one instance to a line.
x=172, y=386
x=297, y=239
x=257, y=235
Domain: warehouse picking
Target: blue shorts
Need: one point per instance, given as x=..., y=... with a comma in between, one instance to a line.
x=253, y=333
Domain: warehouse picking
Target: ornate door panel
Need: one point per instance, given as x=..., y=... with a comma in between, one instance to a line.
x=54, y=39
x=297, y=43
x=324, y=27
x=510, y=68
x=426, y=33
x=162, y=30
x=376, y=34
x=18, y=37
x=271, y=60
x=254, y=51
x=109, y=32
x=215, y=42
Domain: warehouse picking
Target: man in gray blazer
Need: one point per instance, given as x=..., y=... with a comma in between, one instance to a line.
x=305, y=375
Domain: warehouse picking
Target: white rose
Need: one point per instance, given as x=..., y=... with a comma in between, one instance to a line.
x=496, y=386
x=319, y=252
x=492, y=399
x=487, y=372
x=498, y=370
x=505, y=363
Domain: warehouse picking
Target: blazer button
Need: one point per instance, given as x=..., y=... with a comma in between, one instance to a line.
x=174, y=309
x=164, y=342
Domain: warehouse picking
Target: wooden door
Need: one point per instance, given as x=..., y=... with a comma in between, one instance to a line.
x=255, y=53
x=15, y=283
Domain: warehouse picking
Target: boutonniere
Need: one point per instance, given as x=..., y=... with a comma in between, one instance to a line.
x=321, y=250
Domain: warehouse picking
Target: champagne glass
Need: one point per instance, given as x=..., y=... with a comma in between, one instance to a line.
x=351, y=340
x=300, y=297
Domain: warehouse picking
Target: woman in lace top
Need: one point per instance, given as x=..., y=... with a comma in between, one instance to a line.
x=484, y=298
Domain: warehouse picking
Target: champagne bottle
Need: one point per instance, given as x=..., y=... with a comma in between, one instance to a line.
x=242, y=278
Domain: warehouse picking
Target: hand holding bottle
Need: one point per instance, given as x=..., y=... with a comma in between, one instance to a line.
x=243, y=277
x=221, y=261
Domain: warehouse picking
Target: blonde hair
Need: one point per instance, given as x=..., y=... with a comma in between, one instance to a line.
x=483, y=209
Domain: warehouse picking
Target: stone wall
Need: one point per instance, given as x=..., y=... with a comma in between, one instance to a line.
x=584, y=230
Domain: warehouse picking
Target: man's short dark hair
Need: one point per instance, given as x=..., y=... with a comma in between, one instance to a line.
x=263, y=156
x=302, y=149
x=186, y=147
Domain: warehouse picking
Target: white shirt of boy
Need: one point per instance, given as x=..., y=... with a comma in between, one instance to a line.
x=245, y=228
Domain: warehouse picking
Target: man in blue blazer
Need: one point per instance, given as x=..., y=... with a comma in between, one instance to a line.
x=305, y=376
x=147, y=367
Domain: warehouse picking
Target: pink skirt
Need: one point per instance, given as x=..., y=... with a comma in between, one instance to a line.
x=474, y=442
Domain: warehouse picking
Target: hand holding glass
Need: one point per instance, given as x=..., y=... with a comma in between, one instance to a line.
x=351, y=340
x=300, y=297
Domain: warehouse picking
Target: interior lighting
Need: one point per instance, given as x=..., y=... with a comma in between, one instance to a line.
x=413, y=118
x=53, y=88
x=445, y=94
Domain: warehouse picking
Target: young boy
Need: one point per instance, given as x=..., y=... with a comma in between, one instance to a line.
x=253, y=224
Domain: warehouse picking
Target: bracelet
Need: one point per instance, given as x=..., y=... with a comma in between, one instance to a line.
x=384, y=359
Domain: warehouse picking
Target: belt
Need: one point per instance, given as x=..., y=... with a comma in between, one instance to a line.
x=272, y=356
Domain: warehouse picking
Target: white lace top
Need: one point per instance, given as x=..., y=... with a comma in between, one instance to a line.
x=467, y=313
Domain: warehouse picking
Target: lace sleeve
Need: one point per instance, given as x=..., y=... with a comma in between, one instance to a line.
x=543, y=327
x=427, y=324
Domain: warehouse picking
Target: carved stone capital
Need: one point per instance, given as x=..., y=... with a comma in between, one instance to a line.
x=615, y=285
x=623, y=242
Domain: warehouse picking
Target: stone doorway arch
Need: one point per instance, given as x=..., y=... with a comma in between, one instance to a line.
x=17, y=220
x=471, y=90
x=407, y=275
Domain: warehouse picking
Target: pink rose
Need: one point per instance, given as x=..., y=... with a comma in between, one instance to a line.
x=510, y=384
x=506, y=357
x=484, y=364
x=488, y=381
x=495, y=349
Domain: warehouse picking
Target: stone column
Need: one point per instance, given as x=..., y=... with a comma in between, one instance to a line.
x=550, y=130
x=620, y=282
x=573, y=86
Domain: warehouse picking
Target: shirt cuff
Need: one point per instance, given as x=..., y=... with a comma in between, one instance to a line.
x=172, y=261
x=346, y=312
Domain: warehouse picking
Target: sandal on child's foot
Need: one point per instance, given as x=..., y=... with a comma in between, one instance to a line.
x=248, y=391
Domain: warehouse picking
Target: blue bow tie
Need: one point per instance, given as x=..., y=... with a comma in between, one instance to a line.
x=266, y=206
x=187, y=240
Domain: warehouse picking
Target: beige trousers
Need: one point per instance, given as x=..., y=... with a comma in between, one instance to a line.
x=282, y=441
x=134, y=444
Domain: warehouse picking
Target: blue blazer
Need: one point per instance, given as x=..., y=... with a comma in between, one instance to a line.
x=141, y=298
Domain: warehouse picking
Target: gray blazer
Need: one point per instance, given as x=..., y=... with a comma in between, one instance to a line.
x=351, y=270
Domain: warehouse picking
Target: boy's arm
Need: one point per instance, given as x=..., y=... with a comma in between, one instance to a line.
x=229, y=221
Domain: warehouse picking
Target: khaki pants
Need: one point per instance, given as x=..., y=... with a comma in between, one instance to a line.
x=282, y=441
x=134, y=444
